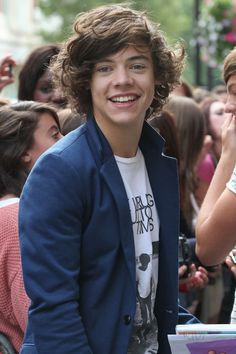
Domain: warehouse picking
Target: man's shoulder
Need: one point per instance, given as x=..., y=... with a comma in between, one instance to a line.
x=71, y=141
x=72, y=148
x=71, y=153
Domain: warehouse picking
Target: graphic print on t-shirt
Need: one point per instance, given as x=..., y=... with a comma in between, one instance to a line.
x=143, y=217
x=143, y=214
x=145, y=225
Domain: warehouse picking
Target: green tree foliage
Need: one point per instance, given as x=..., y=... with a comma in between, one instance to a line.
x=174, y=16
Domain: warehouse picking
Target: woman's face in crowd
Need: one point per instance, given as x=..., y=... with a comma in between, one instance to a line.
x=44, y=91
x=45, y=135
x=217, y=117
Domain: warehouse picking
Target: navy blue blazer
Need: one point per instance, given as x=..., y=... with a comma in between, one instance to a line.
x=77, y=247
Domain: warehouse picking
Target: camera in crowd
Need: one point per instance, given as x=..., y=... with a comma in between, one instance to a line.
x=187, y=255
x=184, y=250
x=184, y=253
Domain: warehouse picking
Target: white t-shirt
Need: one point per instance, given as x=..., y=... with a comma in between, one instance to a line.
x=145, y=224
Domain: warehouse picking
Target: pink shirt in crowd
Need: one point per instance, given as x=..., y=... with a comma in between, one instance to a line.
x=13, y=299
x=206, y=169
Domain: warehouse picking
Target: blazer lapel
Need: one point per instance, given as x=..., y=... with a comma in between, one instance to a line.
x=112, y=177
x=109, y=170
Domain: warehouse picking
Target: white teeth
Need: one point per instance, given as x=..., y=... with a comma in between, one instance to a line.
x=123, y=99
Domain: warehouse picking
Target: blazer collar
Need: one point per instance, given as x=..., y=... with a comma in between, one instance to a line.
x=102, y=150
x=98, y=143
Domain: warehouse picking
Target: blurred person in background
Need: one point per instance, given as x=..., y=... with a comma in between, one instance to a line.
x=183, y=89
x=70, y=120
x=205, y=169
x=190, y=127
x=35, y=81
x=221, y=92
x=192, y=275
x=27, y=129
x=200, y=93
x=191, y=132
x=214, y=113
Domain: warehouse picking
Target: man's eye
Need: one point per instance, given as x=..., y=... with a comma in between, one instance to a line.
x=138, y=66
x=103, y=69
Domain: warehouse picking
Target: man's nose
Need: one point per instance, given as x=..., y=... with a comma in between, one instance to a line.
x=122, y=77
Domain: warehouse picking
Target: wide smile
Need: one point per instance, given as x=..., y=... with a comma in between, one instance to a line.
x=124, y=99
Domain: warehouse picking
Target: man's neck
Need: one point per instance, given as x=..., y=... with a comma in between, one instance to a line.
x=123, y=140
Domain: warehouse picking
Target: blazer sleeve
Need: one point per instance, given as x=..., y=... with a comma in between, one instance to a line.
x=50, y=215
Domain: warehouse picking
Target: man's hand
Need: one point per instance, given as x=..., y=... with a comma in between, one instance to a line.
x=6, y=77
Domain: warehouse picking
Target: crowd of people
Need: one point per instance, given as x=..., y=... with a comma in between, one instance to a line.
x=117, y=192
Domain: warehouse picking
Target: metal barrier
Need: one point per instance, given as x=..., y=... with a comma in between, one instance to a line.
x=5, y=345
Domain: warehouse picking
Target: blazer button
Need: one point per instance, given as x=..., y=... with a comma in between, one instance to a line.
x=127, y=319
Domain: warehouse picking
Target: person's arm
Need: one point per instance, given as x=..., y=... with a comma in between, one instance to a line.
x=216, y=223
x=50, y=224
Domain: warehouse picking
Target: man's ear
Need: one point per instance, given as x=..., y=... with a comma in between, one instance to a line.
x=26, y=157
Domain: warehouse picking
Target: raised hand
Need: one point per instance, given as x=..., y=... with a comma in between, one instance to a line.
x=6, y=65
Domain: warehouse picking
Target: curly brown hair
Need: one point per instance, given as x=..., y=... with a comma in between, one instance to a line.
x=104, y=31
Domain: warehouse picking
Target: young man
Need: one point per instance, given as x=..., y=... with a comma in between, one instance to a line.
x=216, y=222
x=99, y=213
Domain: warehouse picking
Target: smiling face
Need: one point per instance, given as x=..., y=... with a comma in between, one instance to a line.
x=217, y=117
x=122, y=88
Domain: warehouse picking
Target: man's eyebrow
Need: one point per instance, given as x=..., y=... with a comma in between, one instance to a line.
x=139, y=57
x=133, y=58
